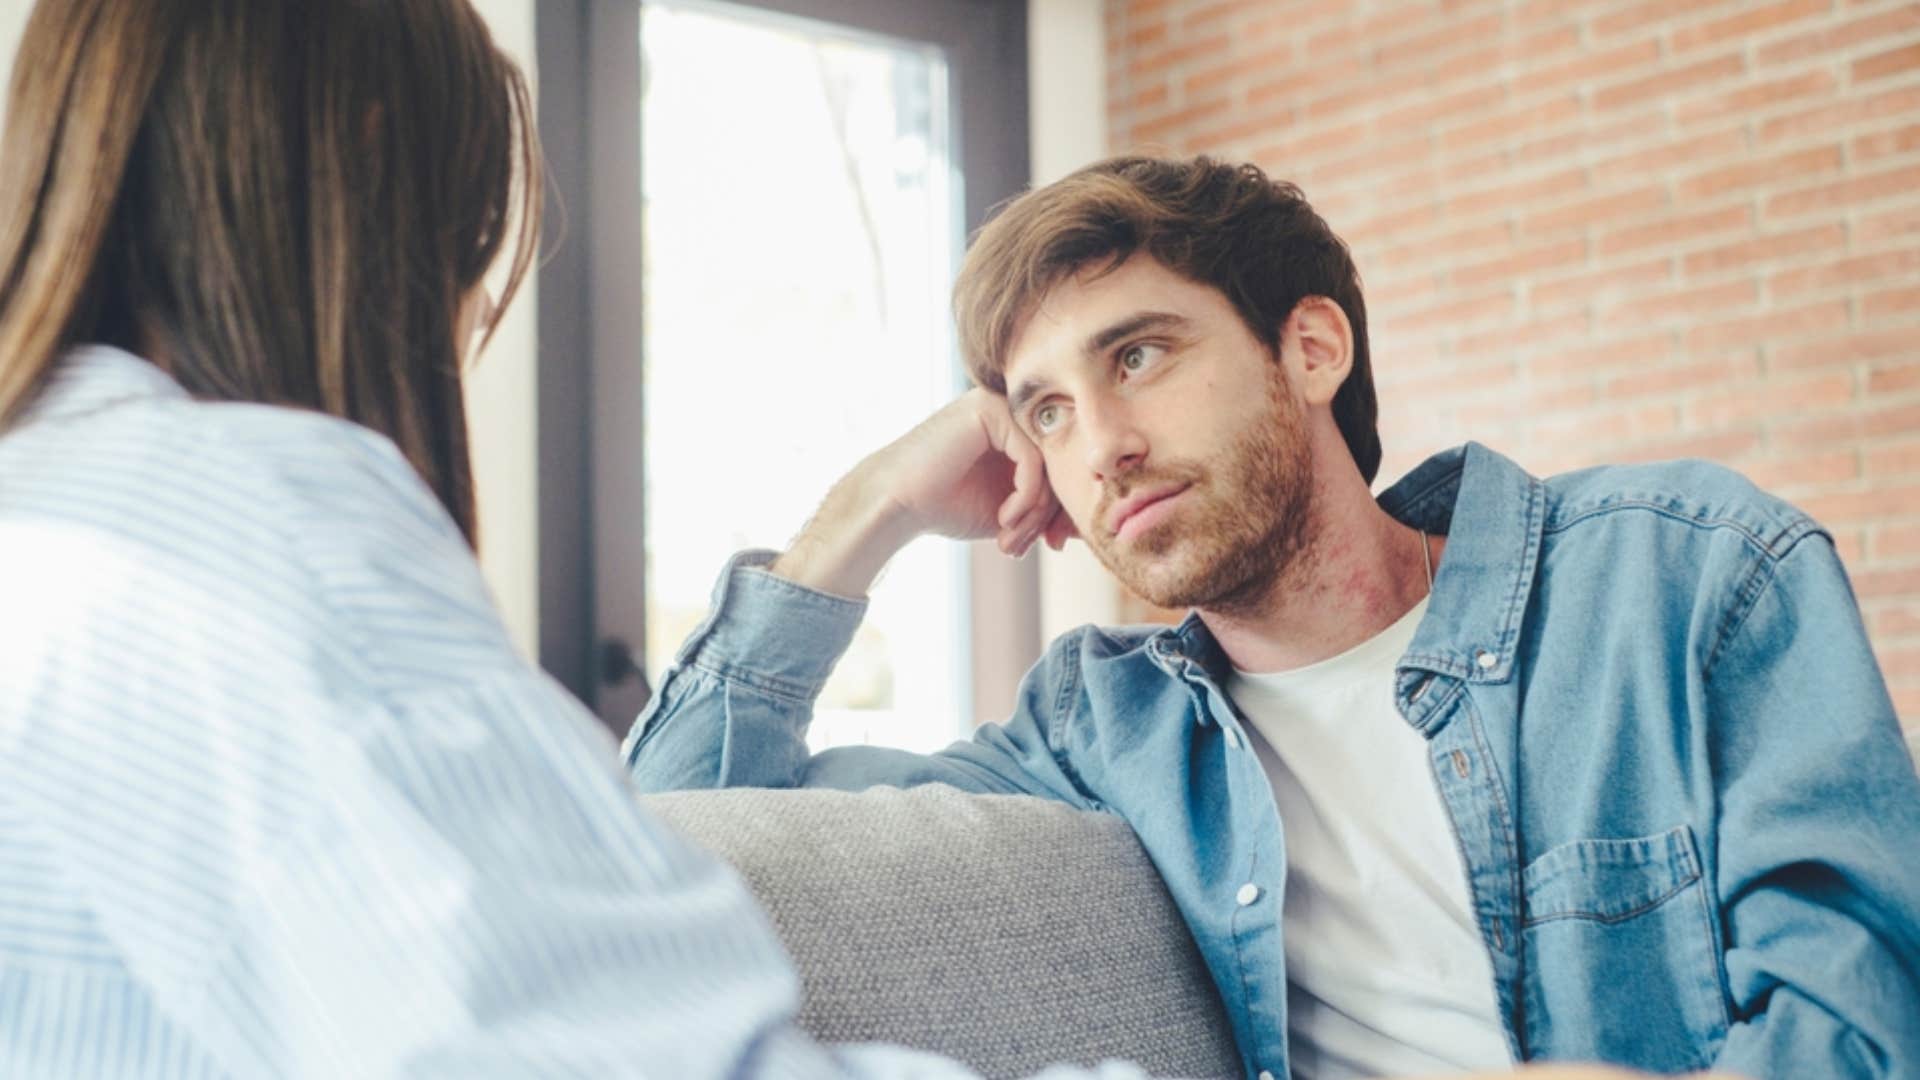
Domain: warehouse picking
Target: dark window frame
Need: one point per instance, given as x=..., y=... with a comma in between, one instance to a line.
x=592, y=520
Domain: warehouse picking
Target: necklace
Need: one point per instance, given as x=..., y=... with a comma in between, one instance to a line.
x=1426, y=560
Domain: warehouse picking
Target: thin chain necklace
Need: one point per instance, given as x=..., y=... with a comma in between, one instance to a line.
x=1426, y=560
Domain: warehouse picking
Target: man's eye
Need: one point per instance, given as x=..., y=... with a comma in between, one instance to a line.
x=1137, y=358
x=1045, y=417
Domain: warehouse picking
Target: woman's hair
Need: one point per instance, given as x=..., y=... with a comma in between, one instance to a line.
x=279, y=201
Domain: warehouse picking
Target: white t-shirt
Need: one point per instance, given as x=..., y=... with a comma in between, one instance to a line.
x=1387, y=973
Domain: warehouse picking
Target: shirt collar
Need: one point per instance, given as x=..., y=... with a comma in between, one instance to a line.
x=88, y=378
x=1494, y=515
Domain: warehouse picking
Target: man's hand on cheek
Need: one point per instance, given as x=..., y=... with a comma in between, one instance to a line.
x=966, y=472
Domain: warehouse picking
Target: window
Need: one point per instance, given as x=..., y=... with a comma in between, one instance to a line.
x=765, y=206
x=800, y=231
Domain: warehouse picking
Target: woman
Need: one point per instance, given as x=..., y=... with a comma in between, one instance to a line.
x=277, y=797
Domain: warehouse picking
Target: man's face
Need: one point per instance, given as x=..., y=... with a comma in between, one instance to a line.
x=1172, y=435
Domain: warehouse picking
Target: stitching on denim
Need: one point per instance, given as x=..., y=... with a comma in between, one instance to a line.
x=771, y=685
x=1753, y=586
x=1523, y=581
x=1445, y=665
x=1771, y=553
x=1058, y=724
x=811, y=597
x=1439, y=705
x=1799, y=526
x=655, y=709
x=1500, y=987
x=1715, y=957
x=1610, y=920
x=1503, y=814
x=1736, y=618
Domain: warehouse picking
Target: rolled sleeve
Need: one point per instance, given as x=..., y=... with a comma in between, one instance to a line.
x=768, y=632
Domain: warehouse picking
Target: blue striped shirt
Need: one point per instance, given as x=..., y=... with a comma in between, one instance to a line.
x=279, y=798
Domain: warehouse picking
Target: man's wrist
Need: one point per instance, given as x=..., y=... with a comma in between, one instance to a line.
x=849, y=541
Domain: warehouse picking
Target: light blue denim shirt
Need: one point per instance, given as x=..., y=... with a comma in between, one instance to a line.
x=1690, y=828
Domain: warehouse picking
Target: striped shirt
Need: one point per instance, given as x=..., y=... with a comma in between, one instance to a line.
x=279, y=798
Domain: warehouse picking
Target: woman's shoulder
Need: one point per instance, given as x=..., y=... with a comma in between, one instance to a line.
x=113, y=440
x=116, y=476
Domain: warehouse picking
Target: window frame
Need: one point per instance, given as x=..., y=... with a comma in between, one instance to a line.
x=592, y=515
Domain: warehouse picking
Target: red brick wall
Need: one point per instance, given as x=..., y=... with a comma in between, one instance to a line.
x=1602, y=231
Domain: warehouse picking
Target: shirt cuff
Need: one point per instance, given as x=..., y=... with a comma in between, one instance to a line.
x=769, y=632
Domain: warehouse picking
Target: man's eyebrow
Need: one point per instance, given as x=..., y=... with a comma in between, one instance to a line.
x=1099, y=343
x=1025, y=392
x=1126, y=328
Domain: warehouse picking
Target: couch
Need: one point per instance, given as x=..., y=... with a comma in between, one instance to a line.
x=1006, y=932
x=1003, y=931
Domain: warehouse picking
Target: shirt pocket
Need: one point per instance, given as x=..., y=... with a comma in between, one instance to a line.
x=1622, y=963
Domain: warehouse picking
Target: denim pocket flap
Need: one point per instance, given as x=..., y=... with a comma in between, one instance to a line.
x=1609, y=880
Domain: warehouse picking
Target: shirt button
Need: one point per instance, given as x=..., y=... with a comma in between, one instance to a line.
x=1248, y=894
x=1265, y=1075
x=1233, y=740
x=1486, y=660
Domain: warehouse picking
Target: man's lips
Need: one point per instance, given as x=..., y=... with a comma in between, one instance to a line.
x=1134, y=505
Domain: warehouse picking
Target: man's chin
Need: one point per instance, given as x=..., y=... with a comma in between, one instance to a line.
x=1166, y=567
x=1186, y=579
x=1159, y=582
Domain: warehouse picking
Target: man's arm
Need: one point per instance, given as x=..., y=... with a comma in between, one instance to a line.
x=733, y=709
x=1818, y=879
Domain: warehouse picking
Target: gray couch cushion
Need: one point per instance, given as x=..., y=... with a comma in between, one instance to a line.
x=1007, y=932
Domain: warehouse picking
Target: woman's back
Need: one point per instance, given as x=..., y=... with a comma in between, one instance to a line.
x=265, y=747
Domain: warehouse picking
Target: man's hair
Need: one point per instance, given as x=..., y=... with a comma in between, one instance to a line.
x=287, y=201
x=1228, y=226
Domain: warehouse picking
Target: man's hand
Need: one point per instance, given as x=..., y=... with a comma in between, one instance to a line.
x=965, y=472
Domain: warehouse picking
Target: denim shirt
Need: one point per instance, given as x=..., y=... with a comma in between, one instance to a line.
x=1690, y=829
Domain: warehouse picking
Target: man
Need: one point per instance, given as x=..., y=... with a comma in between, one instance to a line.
x=1490, y=769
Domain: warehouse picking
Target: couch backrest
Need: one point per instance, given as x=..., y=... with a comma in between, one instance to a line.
x=1006, y=932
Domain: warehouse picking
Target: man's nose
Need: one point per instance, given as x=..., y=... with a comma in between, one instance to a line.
x=1115, y=443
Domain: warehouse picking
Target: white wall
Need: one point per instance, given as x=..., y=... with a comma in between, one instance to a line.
x=13, y=19
x=502, y=398
x=1067, y=83
x=500, y=393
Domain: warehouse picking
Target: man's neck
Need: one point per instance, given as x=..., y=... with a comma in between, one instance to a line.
x=1359, y=574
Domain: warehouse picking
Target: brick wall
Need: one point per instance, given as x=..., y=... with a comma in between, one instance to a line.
x=1602, y=231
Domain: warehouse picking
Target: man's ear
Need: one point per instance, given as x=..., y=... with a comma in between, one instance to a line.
x=1318, y=342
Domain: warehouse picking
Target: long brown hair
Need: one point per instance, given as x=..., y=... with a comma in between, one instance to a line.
x=279, y=201
x=1229, y=226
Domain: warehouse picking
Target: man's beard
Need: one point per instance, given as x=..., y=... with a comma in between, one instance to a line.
x=1248, y=516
